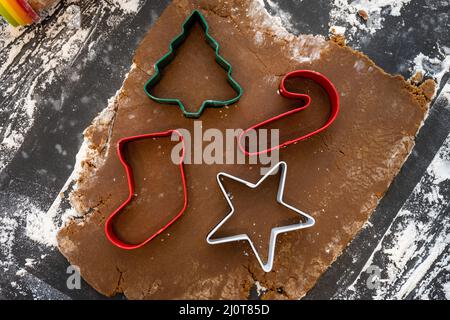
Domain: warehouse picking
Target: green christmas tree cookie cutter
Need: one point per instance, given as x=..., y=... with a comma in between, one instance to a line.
x=196, y=16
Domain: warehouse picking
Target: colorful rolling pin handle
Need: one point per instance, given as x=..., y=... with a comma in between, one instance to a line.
x=18, y=12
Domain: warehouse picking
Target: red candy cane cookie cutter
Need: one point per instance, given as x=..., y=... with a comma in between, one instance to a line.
x=109, y=230
x=317, y=77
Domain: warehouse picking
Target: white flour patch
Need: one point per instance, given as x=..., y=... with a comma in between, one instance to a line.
x=446, y=287
x=344, y=13
x=435, y=67
x=446, y=93
x=25, y=219
x=259, y=37
x=8, y=227
x=359, y=66
x=337, y=30
x=21, y=272
x=267, y=22
x=40, y=226
x=129, y=6
x=284, y=17
x=260, y=289
x=441, y=167
x=29, y=262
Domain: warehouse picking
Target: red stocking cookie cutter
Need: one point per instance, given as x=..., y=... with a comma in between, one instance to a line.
x=109, y=231
x=317, y=77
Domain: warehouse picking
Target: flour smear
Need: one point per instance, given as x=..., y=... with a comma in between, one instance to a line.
x=61, y=43
x=434, y=67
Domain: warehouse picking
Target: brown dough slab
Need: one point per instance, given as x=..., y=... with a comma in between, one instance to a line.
x=337, y=176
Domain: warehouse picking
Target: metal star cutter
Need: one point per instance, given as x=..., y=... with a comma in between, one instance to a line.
x=267, y=266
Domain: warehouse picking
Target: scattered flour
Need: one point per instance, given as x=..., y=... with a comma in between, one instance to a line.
x=129, y=6
x=441, y=168
x=260, y=290
x=8, y=227
x=267, y=22
x=26, y=219
x=446, y=287
x=40, y=226
x=61, y=45
x=21, y=86
x=29, y=262
x=337, y=30
x=446, y=92
x=435, y=67
x=259, y=37
x=345, y=13
x=284, y=17
x=21, y=272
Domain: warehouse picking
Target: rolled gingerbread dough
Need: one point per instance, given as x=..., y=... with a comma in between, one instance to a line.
x=337, y=176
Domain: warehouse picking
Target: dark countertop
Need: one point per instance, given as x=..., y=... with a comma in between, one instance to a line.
x=66, y=100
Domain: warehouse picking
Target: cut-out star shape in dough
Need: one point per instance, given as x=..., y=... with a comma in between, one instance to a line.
x=267, y=266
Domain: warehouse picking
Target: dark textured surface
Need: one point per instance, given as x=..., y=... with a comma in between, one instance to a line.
x=42, y=174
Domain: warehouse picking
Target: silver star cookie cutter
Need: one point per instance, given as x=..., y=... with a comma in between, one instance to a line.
x=267, y=267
